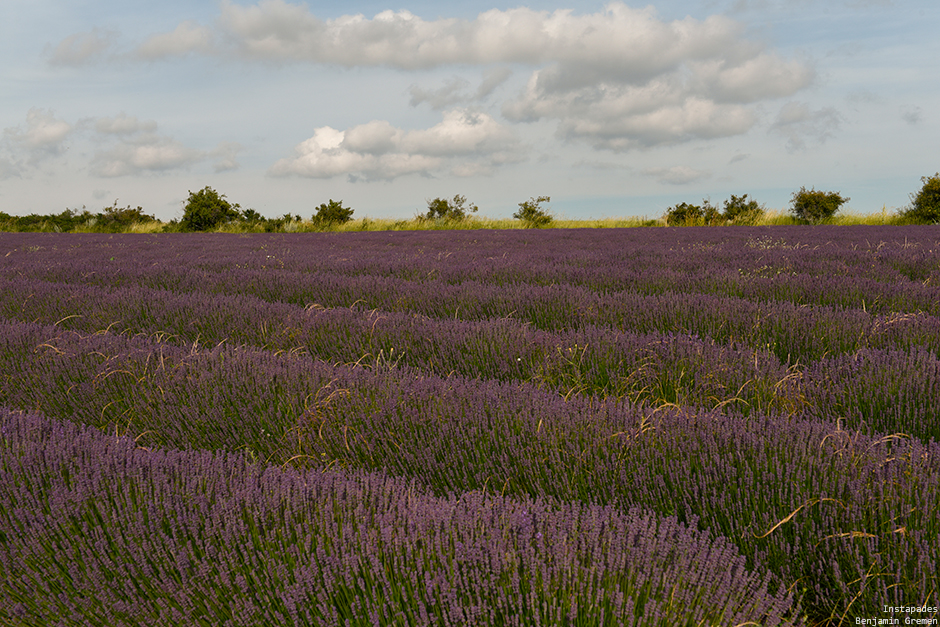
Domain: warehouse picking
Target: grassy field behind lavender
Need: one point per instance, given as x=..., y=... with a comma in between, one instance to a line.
x=698, y=426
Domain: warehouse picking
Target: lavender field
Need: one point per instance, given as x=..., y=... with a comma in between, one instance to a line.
x=653, y=427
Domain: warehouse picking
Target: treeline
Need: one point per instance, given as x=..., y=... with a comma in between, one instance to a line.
x=807, y=206
x=208, y=210
x=111, y=219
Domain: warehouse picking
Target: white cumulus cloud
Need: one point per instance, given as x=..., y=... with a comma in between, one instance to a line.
x=464, y=143
x=759, y=77
x=631, y=43
x=623, y=117
x=657, y=83
x=619, y=78
x=130, y=146
x=42, y=136
x=144, y=153
x=120, y=145
x=43, y=131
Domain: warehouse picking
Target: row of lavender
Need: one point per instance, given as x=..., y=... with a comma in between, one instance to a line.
x=879, y=270
x=884, y=384
x=98, y=531
x=898, y=313
x=795, y=332
x=534, y=340
x=859, y=504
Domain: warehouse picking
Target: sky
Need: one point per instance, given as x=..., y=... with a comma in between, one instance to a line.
x=615, y=109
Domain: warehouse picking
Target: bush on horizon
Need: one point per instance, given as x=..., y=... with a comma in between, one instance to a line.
x=455, y=209
x=740, y=210
x=115, y=219
x=814, y=207
x=925, y=204
x=332, y=213
x=737, y=210
x=207, y=209
x=111, y=219
x=685, y=214
x=531, y=213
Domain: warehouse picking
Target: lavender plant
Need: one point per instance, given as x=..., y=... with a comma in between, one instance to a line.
x=91, y=522
x=772, y=387
x=456, y=435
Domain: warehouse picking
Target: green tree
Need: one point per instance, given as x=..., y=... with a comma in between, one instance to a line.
x=332, y=213
x=443, y=209
x=815, y=206
x=684, y=214
x=207, y=209
x=925, y=204
x=532, y=214
x=740, y=210
x=116, y=219
x=60, y=223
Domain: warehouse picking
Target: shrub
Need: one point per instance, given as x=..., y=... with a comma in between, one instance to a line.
x=63, y=222
x=116, y=219
x=113, y=219
x=682, y=213
x=685, y=214
x=925, y=205
x=815, y=206
x=443, y=209
x=272, y=225
x=252, y=216
x=207, y=209
x=332, y=213
x=531, y=213
x=740, y=210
